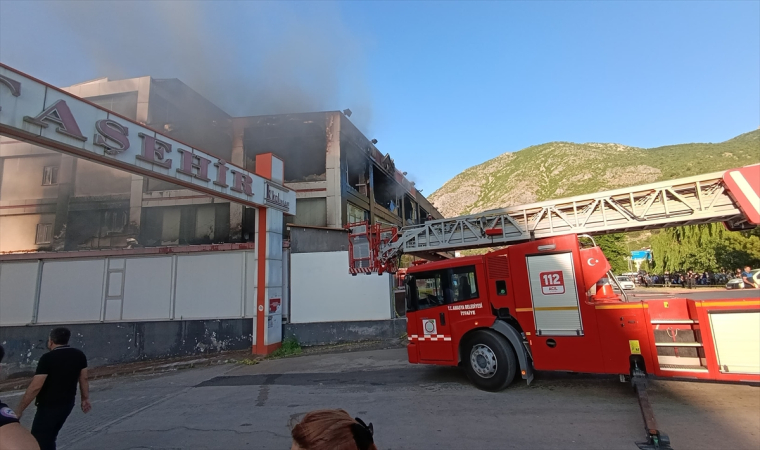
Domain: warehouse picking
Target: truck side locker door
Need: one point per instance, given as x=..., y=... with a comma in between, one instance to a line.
x=435, y=335
x=564, y=334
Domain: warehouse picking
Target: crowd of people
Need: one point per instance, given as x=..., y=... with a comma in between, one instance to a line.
x=54, y=388
x=690, y=279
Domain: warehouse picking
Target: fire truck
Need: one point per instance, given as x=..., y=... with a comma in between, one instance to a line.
x=545, y=301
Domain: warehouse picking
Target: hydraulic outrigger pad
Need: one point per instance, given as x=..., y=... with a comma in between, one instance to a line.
x=655, y=440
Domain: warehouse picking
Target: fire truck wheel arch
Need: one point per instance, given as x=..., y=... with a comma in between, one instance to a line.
x=526, y=367
x=495, y=346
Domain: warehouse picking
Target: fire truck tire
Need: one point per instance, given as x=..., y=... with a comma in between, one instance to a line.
x=489, y=360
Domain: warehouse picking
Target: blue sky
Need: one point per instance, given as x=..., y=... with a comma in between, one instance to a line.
x=442, y=86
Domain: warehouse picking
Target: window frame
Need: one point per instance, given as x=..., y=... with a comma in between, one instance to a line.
x=48, y=233
x=50, y=175
x=446, y=274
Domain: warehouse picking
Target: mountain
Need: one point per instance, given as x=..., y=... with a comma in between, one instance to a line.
x=564, y=169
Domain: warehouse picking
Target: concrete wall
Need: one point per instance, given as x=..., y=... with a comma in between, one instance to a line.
x=19, y=232
x=336, y=332
x=21, y=178
x=212, y=285
x=112, y=343
x=323, y=291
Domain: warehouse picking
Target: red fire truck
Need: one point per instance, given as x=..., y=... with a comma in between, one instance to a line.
x=545, y=301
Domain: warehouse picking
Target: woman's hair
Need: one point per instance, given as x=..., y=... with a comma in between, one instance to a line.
x=333, y=429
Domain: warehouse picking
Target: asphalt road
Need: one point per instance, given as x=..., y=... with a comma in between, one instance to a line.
x=412, y=407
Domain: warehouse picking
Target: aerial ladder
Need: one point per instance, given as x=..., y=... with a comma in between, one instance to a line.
x=533, y=297
x=730, y=197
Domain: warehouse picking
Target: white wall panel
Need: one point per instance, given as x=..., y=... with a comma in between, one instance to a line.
x=17, y=285
x=147, y=288
x=209, y=285
x=322, y=290
x=71, y=291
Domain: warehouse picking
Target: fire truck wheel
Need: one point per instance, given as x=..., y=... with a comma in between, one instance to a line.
x=489, y=360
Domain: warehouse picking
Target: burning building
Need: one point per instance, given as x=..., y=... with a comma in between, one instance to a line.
x=141, y=259
x=54, y=202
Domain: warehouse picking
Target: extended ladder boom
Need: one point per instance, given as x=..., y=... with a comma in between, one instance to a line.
x=687, y=201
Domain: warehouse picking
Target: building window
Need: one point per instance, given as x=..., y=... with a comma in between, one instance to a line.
x=44, y=233
x=355, y=214
x=113, y=222
x=50, y=176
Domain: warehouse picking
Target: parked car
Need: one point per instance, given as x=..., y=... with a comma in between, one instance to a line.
x=737, y=283
x=626, y=282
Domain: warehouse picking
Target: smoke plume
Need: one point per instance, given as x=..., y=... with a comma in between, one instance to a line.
x=249, y=58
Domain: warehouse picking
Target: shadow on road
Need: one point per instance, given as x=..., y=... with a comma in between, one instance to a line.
x=385, y=377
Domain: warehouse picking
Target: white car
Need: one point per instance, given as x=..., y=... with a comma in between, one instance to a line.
x=626, y=283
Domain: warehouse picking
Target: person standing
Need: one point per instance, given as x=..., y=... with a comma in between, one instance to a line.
x=690, y=279
x=55, y=388
x=12, y=435
x=666, y=279
x=749, y=283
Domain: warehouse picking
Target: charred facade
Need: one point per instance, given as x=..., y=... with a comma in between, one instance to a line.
x=55, y=202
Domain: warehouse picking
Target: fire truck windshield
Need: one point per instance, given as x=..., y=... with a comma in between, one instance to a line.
x=441, y=287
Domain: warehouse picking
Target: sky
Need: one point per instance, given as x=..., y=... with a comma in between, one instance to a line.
x=442, y=86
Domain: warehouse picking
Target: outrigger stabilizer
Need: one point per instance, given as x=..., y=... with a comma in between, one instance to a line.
x=655, y=439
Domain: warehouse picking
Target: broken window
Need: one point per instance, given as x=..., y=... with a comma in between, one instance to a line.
x=185, y=225
x=183, y=114
x=300, y=140
x=386, y=192
x=97, y=229
x=410, y=211
x=357, y=166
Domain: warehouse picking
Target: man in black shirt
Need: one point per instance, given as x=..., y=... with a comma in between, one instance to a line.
x=55, y=387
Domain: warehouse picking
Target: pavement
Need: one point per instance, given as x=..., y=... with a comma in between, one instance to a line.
x=238, y=406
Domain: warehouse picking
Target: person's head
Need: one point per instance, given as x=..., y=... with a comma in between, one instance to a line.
x=332, y=429
x=59, y=336
x=747, y=268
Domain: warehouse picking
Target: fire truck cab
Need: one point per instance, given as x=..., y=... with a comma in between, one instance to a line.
x=528, y=306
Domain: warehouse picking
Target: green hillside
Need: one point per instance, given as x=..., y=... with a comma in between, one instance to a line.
x=562, y=169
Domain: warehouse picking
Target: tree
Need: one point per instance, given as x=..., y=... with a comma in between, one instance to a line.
x=613, y=246
x=705, y=248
